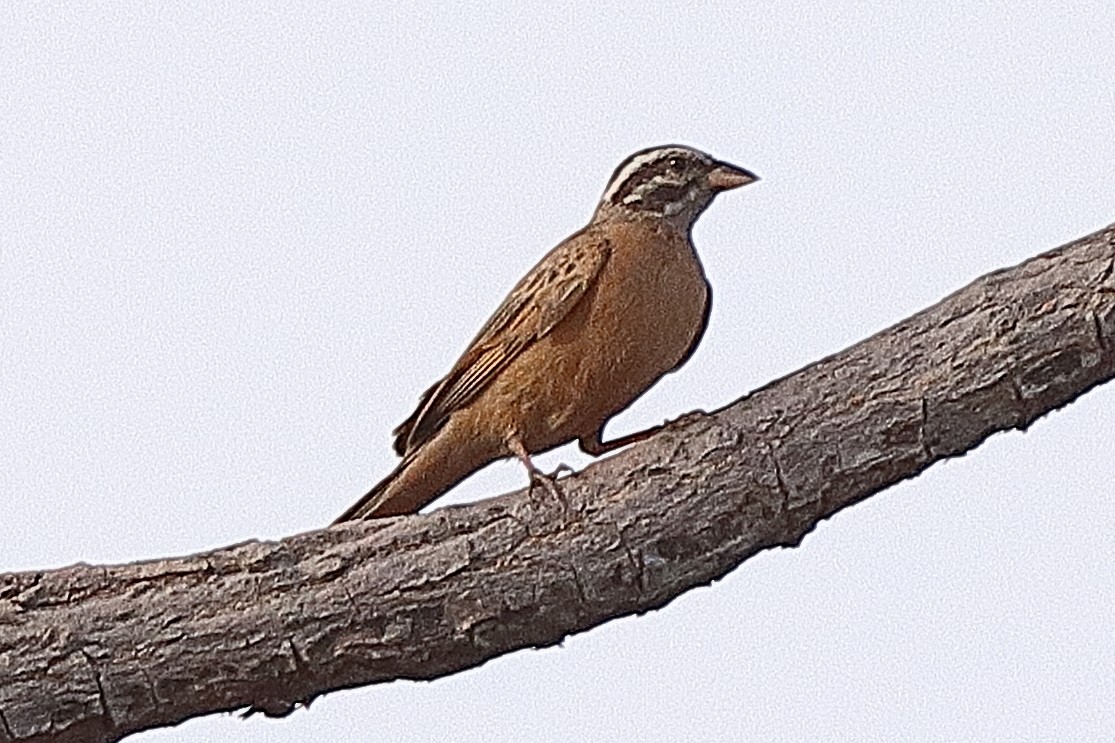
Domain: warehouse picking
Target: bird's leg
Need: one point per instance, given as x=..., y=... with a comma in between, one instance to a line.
x=549, y=482
x=594, y=446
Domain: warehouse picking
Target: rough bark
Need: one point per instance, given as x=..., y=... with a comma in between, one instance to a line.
x=92, y=653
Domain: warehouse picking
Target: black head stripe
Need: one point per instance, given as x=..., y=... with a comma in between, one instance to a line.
x=644, y=166
x=639, y=178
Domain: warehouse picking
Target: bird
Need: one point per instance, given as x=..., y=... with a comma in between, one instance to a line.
x=591, y=327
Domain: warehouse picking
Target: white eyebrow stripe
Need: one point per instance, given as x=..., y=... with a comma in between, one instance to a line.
x=628, y=170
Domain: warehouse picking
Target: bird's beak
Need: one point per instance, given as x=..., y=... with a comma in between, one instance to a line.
x=724, y=177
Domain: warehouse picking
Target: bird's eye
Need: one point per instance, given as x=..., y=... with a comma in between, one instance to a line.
x=673, y=162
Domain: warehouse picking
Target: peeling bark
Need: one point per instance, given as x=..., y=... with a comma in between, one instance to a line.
x=91, y=653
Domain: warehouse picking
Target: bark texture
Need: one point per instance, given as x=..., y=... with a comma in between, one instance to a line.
x=92, y=653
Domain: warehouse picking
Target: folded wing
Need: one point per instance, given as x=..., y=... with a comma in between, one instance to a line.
x=537, y=304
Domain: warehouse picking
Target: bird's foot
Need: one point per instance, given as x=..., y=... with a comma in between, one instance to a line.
x=550, y=485
x=561, y=469
x=537, y=476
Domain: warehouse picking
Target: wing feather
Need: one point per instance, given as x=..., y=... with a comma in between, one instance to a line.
x=537, y=304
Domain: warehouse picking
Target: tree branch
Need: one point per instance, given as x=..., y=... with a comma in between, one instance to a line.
x=93, y=653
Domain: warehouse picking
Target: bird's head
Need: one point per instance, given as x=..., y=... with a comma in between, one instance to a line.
x=673, y=182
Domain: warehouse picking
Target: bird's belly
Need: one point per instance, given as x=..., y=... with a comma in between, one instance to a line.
x=635, y=325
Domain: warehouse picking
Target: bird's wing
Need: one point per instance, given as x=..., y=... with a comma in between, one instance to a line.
x=545, y=296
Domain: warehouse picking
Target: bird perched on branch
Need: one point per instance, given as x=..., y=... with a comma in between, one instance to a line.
x=601, y=318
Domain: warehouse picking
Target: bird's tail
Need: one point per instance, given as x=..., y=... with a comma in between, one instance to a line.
x=426, y=472
x=384, y=499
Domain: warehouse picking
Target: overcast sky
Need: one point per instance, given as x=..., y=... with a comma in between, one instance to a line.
x=236, y=244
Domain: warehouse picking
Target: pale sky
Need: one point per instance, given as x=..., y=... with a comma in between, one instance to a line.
x=237, y=243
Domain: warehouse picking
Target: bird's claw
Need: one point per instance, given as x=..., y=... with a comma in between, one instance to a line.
x=561, y=469
x=550, y=485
